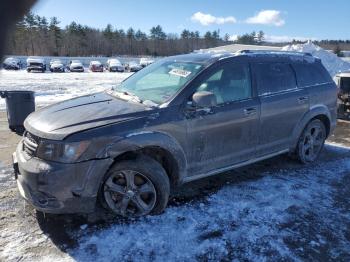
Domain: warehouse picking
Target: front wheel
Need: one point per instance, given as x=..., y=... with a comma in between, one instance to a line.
x=311, y=141
x=135, y=188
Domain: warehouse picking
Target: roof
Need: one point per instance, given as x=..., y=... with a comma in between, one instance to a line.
x=35, y=59
x=201, y=57
x=237, y=47
x=208, y=57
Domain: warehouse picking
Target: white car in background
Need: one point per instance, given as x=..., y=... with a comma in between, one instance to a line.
x=56, y=65
x=114, y=65
x=144, y=61
x=12, y=63
x=76, y=66
x=134, y=67
x=36, y=64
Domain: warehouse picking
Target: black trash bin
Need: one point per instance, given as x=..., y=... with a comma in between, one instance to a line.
x=19, y=105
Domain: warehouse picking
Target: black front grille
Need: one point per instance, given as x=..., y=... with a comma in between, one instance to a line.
x=36, y=64
x=30, y=143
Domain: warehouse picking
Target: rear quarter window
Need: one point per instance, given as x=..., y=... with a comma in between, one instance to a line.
x=274, y=77
x=311, y=74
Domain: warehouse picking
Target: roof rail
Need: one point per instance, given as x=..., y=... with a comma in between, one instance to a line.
x=273, y=51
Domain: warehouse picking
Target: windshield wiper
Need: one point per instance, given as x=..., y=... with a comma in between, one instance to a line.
x=127, y=96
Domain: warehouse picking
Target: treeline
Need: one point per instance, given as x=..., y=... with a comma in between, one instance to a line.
x=37, y=35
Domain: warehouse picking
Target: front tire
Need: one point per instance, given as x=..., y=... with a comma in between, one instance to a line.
x=311, y=142
x=134, y=188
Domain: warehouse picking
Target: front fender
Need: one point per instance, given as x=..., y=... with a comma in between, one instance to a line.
x=312, y=113
x=143, y=139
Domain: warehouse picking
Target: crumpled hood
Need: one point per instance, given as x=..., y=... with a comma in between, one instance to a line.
x=60, y=120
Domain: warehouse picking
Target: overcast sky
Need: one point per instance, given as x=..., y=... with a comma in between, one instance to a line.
x=280, y=20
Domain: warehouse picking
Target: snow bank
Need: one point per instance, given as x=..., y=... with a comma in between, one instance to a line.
x=55, y=87
x=332, y=62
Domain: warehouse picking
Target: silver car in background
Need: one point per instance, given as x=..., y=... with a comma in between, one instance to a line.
x=114, y=65
x=56, y=65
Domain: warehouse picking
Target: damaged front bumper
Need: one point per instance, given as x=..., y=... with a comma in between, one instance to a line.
x=59, y=188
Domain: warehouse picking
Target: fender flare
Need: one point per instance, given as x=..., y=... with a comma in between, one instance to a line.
x=138, y=140
x=312, y=113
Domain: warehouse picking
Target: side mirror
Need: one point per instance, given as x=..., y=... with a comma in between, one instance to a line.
x=204, y=99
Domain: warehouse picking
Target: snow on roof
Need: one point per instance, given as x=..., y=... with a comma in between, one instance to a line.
x=35, y=59
x=95, y=62
x=344, y=74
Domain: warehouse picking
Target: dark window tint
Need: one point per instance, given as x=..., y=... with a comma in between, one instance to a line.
x=274, y=77
x=229, y=82
x=311, y=74
x=345, y=84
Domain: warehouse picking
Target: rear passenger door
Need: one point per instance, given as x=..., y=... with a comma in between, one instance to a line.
x=283, y=104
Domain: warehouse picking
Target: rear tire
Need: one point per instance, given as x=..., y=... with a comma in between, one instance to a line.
x=311, y=142
x=134, y=188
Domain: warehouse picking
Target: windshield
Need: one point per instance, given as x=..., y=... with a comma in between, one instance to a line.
x=159, y=81
x=56, y=61
x=114, y=61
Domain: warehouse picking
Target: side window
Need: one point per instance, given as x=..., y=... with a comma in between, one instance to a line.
x=229, y=82
x=311, y=74
x=274, y=77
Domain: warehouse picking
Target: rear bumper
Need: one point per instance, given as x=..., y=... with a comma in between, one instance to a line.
x=59, y=188
x=34, y=68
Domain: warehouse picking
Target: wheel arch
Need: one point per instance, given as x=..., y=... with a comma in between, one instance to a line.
x=159, y=146
x=320, y=112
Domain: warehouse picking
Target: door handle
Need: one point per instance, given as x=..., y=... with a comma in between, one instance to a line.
x=250, y=111
x=303, y=99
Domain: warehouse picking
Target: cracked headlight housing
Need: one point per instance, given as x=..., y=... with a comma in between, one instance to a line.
x=60, y=151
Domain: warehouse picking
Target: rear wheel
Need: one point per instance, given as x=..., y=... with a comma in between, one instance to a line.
x=311, y=141
x=134, y=188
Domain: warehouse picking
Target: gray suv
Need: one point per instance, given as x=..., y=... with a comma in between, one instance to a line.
x=180, y=119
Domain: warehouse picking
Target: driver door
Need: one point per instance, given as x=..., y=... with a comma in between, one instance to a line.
x=225, y=134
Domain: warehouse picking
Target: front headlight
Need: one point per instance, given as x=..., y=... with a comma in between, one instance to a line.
x=60, y=151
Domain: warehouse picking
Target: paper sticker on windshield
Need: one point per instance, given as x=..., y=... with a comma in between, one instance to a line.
x=179, y=72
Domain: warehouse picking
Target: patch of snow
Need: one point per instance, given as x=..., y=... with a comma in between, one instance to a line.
x=55, y=87
x=255, y=220
x=332, y=62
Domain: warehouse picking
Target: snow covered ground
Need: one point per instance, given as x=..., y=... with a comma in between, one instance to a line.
x=276, y=210
x=54, y=87
x=278, y=217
